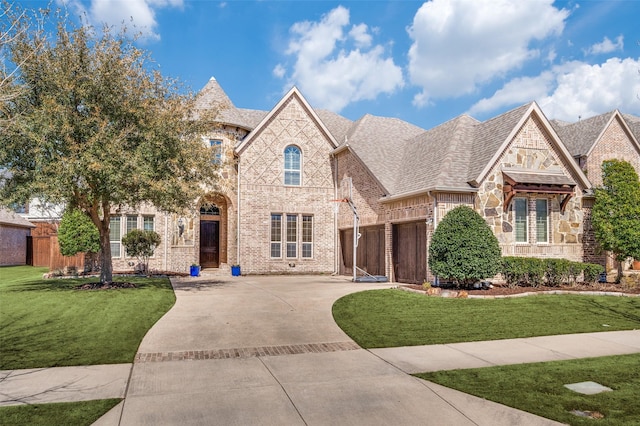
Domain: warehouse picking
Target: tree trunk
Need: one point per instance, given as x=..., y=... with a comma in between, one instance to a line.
x=619, y=277
x=106, y=266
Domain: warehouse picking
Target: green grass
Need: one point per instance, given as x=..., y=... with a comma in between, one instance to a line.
x=539, y=388
x=391, y=318
x=66, y=413
x=47, y=323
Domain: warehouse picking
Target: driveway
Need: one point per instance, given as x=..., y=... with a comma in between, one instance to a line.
x=266, y=351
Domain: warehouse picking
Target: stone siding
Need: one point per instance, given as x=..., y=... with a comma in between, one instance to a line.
x=532, y=149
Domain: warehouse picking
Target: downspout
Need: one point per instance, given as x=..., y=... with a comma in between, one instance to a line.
x=336, y=233
x=435, y=225
x=166, y=240
x=238, y=219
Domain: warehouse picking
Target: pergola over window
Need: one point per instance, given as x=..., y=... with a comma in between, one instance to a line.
x=523, y=181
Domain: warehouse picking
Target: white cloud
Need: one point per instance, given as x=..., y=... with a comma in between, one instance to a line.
x=138, y=13
x=334, y=69
x=574, y=89
x=606, y=46
x=279, y=71
x=459, y=45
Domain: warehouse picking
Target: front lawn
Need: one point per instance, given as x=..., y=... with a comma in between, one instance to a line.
x=391, y=318
x=48, y=323
x=65, y=413
x=539, y=388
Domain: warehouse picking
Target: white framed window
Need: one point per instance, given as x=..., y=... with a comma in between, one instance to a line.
x=292, y=165
x=292, y=235
x=148, y=223
x=132, y=223
x=542, y=220
x=307, y=236
x=296, y=232
x=521, y=219
x=115, y=236
x=216, y=151
x=276, y=235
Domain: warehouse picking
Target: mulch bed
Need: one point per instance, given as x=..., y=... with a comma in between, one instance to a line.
x=503, y=290
x=106, y=286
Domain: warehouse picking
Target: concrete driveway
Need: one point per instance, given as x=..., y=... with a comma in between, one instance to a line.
x=266, y=351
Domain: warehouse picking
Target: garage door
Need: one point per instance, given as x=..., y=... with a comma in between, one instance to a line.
x=410, y=252
x=370, y=250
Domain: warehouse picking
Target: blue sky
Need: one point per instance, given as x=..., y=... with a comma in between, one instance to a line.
x=423, y=62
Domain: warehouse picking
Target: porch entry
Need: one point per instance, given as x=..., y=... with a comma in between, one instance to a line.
x=210, y=237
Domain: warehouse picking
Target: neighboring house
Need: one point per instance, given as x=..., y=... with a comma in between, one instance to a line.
x=604, y=137
x=14, y=233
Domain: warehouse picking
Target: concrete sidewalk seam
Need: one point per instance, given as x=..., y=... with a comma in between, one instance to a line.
x=283, y=390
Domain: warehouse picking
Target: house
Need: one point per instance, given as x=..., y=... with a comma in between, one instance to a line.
x=604, y=137
x=279, y=207
x=14, y=235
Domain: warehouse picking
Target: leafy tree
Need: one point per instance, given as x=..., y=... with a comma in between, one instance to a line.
x=97, y=127
x=616, y=211
x=77, y=234
x=141, y=244
x=463, y=248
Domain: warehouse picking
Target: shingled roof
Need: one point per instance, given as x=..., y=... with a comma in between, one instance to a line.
x=212, y=97
x=579, y=137
x=634, y=124
x=8, y=217
x=380, y=143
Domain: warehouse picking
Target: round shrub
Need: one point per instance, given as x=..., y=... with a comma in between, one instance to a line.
x=463, y=248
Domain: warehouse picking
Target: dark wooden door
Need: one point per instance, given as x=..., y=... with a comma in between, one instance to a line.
x=209, y=244
x=370, y=250
x=410, y=252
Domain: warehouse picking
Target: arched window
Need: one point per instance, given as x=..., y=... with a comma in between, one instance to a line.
x=210, y=209
x=292, y=164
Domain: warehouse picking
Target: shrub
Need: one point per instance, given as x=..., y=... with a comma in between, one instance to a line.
x=141, y=244
x=557, y=271
x=463, y=248
x=77, y=234
x=592, y=272
x=514, y=271
x=536, y=270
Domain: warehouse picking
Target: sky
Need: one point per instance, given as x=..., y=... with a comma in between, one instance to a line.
x=422, y=62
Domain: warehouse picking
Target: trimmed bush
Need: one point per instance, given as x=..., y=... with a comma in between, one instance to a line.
x=592, y=272
x=558, y=271
x=141, y=244
x=77, y=234
x=464, y=249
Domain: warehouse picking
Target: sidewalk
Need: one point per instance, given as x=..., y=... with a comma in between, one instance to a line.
x=64, y=384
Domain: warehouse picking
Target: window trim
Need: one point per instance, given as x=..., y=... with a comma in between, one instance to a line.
x=526, y=220
x=546, y=210
x=275, y=242
x=304, y=243
x=216, y=151
x=112, y=221
x=289, y=170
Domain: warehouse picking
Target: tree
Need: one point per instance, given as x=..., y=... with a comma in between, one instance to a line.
x=141, y=244
x=463, y=248
x=616, y=212
x=96, y=127
x=77, y=234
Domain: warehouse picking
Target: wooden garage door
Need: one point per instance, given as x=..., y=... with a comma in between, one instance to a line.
x=370, y=250
x=410, y=252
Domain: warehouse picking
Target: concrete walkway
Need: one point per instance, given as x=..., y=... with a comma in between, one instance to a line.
x=265, y=350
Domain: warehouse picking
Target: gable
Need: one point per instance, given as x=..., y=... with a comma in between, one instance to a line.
x=291, y=123
x=615, y=142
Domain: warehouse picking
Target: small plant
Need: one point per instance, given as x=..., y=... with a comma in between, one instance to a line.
x=141, y=244
x=426, y=285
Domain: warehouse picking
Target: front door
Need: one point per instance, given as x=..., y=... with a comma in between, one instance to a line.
x=209, y=243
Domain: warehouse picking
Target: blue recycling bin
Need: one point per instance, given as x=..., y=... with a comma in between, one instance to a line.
x=235, y=270
x=194, y=271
